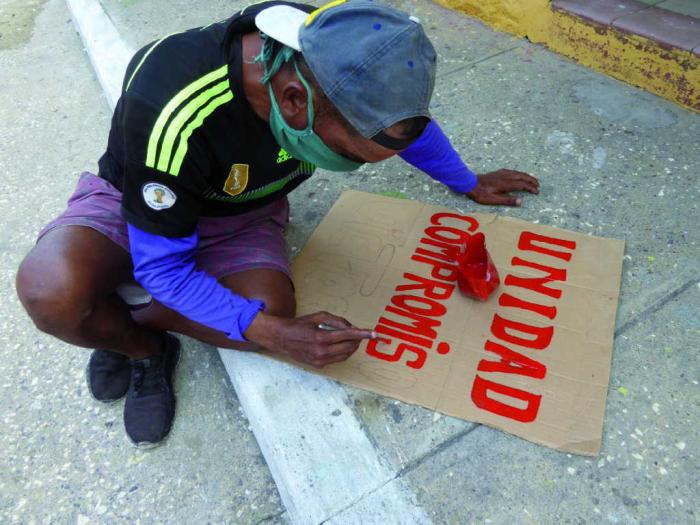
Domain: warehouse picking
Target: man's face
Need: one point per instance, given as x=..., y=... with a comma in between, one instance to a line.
x=292, y=98
x=351, y=145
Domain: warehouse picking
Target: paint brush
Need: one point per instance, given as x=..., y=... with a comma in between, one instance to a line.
x=329, y=328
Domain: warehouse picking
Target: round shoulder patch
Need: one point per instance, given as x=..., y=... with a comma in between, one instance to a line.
x=158, y=196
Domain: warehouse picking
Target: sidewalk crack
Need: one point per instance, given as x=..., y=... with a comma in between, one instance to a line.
x=479, y=61
x=417, y=462
x=656, y=306
x=270, y=517
x=405, y=469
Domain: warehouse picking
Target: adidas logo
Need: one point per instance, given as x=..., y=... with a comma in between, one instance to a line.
x=283, y=156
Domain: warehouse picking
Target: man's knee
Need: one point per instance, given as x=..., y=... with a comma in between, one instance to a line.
x=281, y=305
x=270, y=286
x=52, y=297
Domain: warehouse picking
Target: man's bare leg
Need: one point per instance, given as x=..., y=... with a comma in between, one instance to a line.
x=67, y=284
x=273, y=287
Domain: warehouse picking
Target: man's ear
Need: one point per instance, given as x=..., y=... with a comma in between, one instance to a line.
x=293, y=104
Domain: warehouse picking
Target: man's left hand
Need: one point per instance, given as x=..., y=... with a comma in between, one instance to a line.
x=494, y=187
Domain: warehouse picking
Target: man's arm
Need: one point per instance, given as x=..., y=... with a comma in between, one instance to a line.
x=165, y=267
x=433, y=153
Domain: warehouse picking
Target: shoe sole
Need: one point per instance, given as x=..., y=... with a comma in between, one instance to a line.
x=147, y=445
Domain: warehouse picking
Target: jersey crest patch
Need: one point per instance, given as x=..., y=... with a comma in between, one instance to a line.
x=158, y=196
x=237, y=180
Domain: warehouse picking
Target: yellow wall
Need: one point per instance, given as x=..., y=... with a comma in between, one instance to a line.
x=514, y=16
x=672, y=74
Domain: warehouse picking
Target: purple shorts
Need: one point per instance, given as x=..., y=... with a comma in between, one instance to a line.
x=226, y=244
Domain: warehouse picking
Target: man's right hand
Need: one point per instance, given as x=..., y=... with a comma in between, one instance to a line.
x=304, y=341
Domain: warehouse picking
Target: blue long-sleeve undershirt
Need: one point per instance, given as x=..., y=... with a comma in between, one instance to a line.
x=433, y=153
x=165, y=267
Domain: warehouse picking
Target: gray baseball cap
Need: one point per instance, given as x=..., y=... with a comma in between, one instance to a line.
x=373, y=62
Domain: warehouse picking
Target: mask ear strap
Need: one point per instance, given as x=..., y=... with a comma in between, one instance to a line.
x=285, y=54
x=264, y=57
x=309, y=98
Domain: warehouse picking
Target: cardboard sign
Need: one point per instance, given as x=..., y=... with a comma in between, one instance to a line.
x=533, y=360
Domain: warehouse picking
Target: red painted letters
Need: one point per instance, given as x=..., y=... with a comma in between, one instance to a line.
x=482, y=386
x=504, y=328
x=511, y=362
x=508, y=300
x=537, y=284
x=430, y=287
x=410, y=324
x=528, y=239
x=398, y=352
x=417, y=308
x=522, y=334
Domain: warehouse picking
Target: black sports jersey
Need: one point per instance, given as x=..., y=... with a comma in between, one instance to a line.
x=184, y=141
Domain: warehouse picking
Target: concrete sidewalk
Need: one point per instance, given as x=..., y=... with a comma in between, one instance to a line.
x=613, y=161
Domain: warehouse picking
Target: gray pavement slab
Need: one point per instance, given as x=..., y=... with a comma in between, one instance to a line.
x=64, y=458
x=326, y=468
x=648, y=471
x=141, y=21
x=458, y=40
x=684, y=7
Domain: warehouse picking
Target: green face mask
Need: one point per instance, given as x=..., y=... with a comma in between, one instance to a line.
x=302, y=144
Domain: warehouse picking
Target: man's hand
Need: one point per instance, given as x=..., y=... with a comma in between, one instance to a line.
x=304, y=341
x=493, y=187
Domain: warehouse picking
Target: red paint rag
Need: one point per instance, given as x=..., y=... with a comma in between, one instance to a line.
x=478, y=276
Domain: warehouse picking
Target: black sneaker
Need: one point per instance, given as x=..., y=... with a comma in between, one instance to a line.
x=108, y=375
x=149, y=409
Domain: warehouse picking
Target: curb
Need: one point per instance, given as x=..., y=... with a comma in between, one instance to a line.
x=598, y=40
x=108, y=53
x=326, y=468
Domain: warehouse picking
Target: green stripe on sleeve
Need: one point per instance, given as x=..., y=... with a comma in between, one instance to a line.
x=182, y=116
x=174, y=103
x=198, y=121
